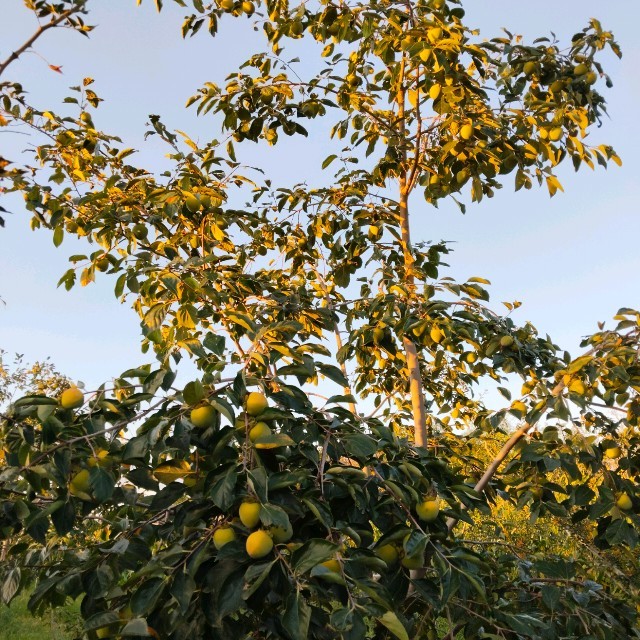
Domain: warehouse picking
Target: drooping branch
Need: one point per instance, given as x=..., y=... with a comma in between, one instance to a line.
x=54, y=22
x=516, y=436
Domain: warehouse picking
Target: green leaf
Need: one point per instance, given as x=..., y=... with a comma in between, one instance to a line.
x=312, y=553
x=392, y=622
x=146, y=596
x=222, y=491
x=193, y=392
x=297, y=616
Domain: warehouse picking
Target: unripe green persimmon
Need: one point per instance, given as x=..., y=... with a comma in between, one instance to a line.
x=281, y=534
x=412, y=562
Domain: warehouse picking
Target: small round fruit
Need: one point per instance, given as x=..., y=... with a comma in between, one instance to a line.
x=580, y=70
x=612, y=452
x=436, y=334
x=140, y=231
x=412, y=562
x=281, y=534
x=591, y=77
x=471, y=357
x=506, y=341
x=624, y=502
x=296, y=28
x=249, y=513
x=261, y=430
x=373, y=232
x=248, y=7
x=529, y=68
x=466, y=131
x=71, y=398
x=434, y=91
x=223, y=536
x=332, y=565
x=555, y=134
x=193, y=203
x=227, y=5
x=388, y=553
x=428, y=510
x=259, y=544
x=256, y=403
x=203, y=417
x=462, y=176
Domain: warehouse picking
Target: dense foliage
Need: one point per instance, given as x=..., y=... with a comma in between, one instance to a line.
x=247, y=505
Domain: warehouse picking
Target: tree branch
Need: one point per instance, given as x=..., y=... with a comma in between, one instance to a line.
x=41, y=29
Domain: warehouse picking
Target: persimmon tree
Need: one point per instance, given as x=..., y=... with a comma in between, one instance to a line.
x=339, y=366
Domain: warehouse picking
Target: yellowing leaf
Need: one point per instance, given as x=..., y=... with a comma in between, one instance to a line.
x=392, y=622
x=172, y=470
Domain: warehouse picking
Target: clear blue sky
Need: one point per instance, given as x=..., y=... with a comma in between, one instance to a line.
x=572, y=260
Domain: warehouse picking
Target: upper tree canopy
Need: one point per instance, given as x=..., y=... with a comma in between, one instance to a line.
x=274, y=291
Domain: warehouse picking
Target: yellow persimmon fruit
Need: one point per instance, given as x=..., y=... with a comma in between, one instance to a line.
x=466, y=131
x=256, y=403
x=624, y=502
x=203, y=416
x=434, y=91
x=388, y=553
x=71, y=398
x=223, y=536
x=436, y=334
x=428, y=509
x=249, y=513
x=259, y=544
x=613, y=452
x=332, y=565
x=261, y=430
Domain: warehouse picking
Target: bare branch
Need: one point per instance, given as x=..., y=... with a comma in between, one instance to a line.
x=41, y=29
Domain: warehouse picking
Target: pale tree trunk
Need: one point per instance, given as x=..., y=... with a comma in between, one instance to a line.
x=411, y=353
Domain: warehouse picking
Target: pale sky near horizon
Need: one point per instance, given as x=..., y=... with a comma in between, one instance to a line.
x=572, y=260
